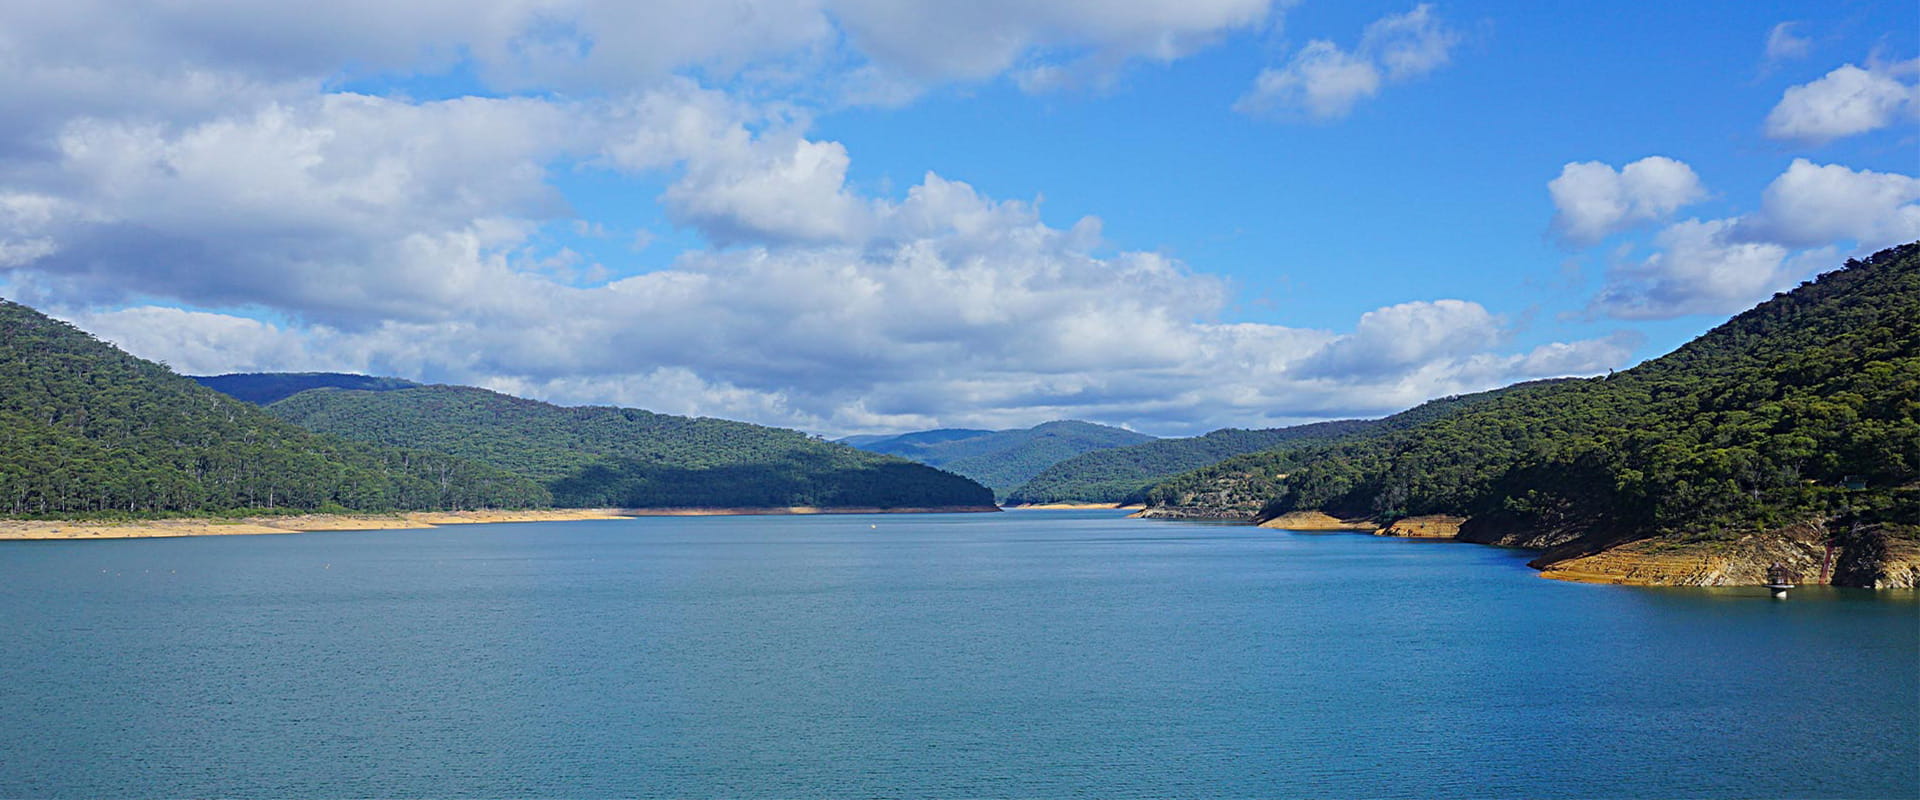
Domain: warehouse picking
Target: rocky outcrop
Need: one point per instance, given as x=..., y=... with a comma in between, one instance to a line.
x=1876, y=557
x=1435, y=526
x=1881, y=556
x=1432, y=526
x=1204, y=513
x=1319, y=521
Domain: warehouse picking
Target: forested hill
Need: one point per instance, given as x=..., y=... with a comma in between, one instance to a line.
x=1123, y=474
x=86, y=429
x=1762, y=423
x=594, y=456
x=264, y=388
x=1002, y=460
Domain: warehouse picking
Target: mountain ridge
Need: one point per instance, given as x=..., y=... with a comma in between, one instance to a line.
x=1003, y=459
x=1782, y=434
x=605, y=456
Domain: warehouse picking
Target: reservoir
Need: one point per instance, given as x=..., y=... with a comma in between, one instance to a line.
x=1023, y=654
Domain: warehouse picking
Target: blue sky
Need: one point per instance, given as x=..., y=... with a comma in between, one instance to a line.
x=858, y=216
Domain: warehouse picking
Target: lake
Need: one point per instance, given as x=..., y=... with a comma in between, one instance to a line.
x=1025, y=654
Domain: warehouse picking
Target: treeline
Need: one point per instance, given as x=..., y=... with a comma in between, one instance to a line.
x=1768, y=419
x=595, y=456
x=86, y=429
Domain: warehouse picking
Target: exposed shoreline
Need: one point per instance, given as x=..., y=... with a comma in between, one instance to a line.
x=1883, y=563
x=24, y=529
x=1075, y=507
x=800, y=510
x=42, y=530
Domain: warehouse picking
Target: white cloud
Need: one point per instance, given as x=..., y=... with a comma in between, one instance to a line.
x=387, y=235
x=1324, y=81
x=1701, y=268
x=1399, y=337
x=974, y=312
x=1592, y=201
x=975, y=40
x=1785, y=45
x=1813, y=204
x=1810, y=217
x=1847, y=102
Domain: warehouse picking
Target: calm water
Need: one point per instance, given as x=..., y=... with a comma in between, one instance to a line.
x=1041, y=654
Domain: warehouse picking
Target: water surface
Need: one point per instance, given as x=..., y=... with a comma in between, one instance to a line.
x=1031, y=654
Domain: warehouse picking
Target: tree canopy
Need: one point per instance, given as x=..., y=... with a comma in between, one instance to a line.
x=591, y=456
x=1807, y=406
x=86, y=429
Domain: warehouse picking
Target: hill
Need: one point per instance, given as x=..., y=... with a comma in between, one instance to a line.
x=594, y=456
x=1789, y=434
x=265, y=388
x=86, y=429
x=1124, y=474
x=1001, y=460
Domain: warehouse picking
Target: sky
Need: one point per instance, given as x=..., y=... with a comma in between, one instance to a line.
x=861, y=216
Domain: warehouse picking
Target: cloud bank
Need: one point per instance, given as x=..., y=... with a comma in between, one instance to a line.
x=188, y=181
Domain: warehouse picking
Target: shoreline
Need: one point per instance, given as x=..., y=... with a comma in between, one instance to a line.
x=777, y=511
x=59, y=530
x=41, y=530
x=1074, y=507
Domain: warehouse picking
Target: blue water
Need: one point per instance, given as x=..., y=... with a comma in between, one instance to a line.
x=1026, y=654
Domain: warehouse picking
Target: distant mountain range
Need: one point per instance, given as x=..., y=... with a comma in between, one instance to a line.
x=1001, y=460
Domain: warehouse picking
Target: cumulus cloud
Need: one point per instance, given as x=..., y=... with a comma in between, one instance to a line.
x=583, y=44
x=1846, y=102
x=1701, y=268
x=1810, y=217
x=1398, y=337
x=980, y=39
x=1592, y=200
x=968, y=311
x=1814, y=204
x=1323, y=81
x=333, y=230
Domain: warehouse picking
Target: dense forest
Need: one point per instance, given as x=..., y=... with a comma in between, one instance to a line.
x=1125, y=474
x=593, y=456
x=1002, y=460
x=1804, y=408
x=265, y=388
x=86, y=429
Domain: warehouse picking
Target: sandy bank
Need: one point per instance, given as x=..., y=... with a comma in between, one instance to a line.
x=142, y=529
x=1075, y=507
x=1319, y=521
x=1432, y=526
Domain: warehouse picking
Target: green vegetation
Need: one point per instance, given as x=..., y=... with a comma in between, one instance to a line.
x=1001, y=460
x=1759, y=423
x=265, y=388
x=601, y=456
x=88, y=430
x=1125, y=474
